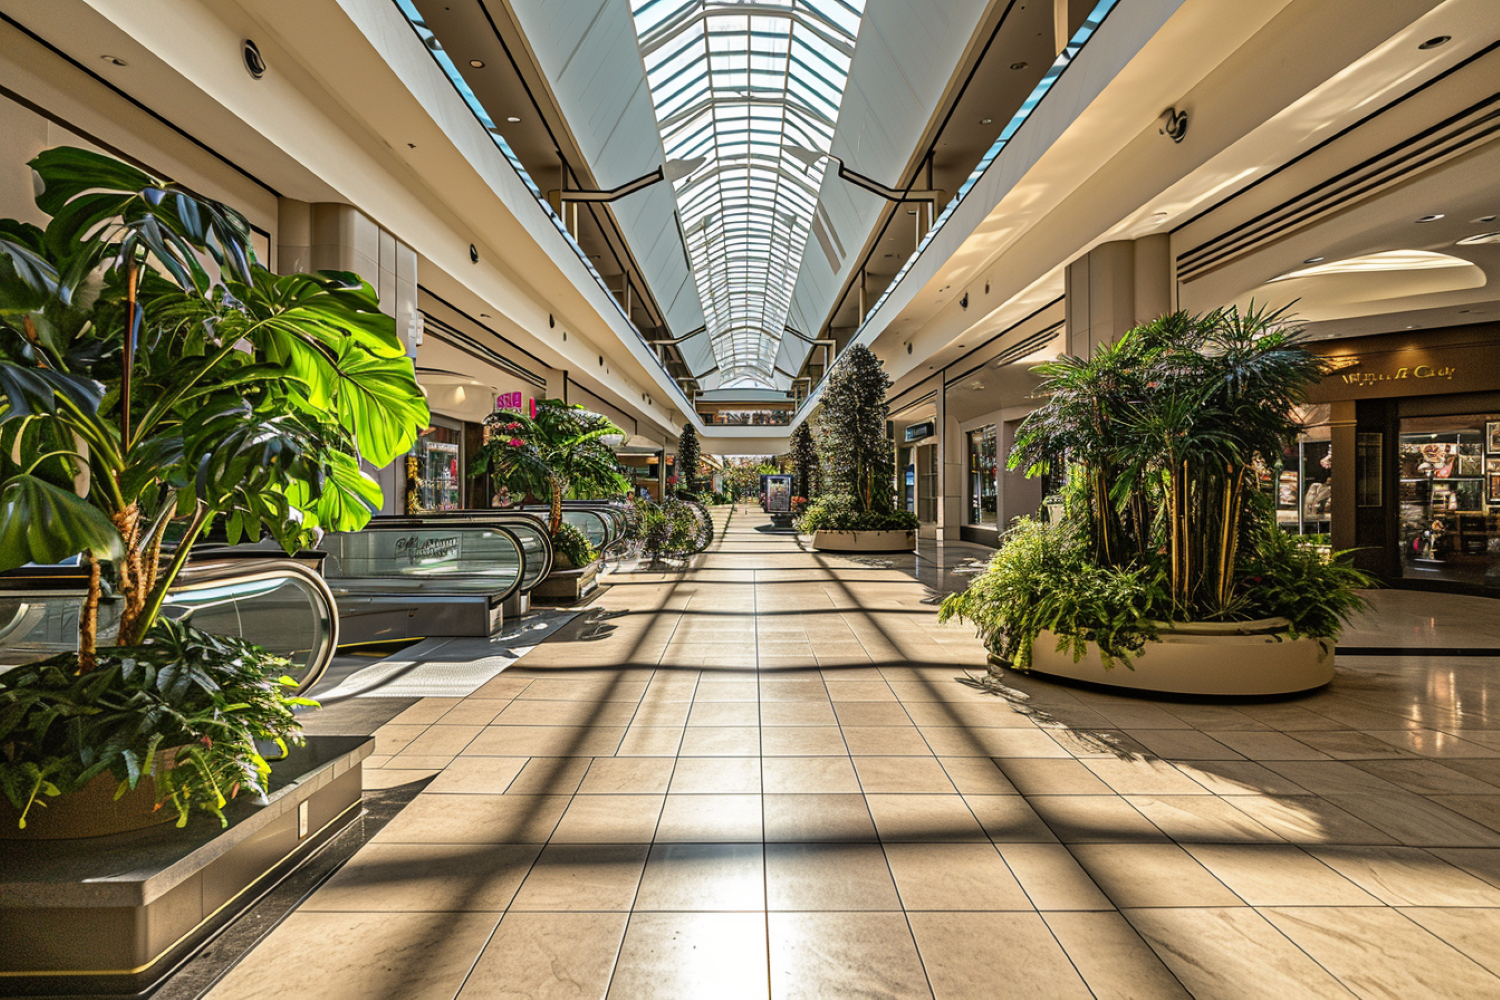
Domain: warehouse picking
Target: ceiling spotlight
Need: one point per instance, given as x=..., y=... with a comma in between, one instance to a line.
x=473, y=253
x=1174, y=123
x=477, y=63
x=114, y=60
x=985, y=121
x=513, y=119
x=1431, y=218
x=1484, y=218
x=1019, y=65
x=1479, y=239
x=255, y=63
x=1313, y=260
x=1433, y=43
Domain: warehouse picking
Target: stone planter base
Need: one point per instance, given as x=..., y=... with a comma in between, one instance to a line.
x=1267, y=663
x=903, y=540
x=567, y=586
x=92, y=811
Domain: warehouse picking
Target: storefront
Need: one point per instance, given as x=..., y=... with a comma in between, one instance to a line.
x=434, y=468
x=1416, y=418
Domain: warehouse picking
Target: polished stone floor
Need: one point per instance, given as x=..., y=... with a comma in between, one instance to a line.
x=766, y=779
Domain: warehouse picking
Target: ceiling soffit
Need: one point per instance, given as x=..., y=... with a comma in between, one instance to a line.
x=736, y=84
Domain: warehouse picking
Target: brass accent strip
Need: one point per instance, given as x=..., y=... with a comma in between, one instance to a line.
x=196, y=927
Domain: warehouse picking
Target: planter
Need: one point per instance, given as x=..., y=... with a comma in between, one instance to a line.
x=1179, y=662
x=91, y=811
x=900, y=540
x=567, y=586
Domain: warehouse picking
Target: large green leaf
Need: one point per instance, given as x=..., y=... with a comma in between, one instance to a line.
x=40, y=523
x=27, y=391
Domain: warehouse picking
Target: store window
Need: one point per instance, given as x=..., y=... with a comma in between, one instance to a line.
x=927, y=490
x=1449, y=492
x=437, y=461
x=1304, y=482
x=983, y=487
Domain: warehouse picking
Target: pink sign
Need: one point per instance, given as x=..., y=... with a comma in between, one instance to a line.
x=510, y=401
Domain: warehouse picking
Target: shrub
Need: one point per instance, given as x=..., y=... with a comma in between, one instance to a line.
x=572, y=545
x=840, y=512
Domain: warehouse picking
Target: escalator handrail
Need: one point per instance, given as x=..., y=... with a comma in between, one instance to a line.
x=504, y=595
x=508, y=519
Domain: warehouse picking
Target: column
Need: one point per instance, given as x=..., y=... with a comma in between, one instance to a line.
x=1114, y=287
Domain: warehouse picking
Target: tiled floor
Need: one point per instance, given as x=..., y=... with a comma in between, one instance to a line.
x=765, y=780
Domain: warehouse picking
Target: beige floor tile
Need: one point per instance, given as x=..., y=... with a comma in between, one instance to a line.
x=651, y=741
x=719, y=955
x=474, y=712
x=548, y=956
x=712, y=688
x=1144, y=777
x=1307, y=819
x=1052, y=879
x=592, y=691
x=567, y=713
x=964, y=742
x=716, y=776
x=546, y=741
x=1418, y=821
x=547, y=775
x=1113, y=960
x=1094, y=819
x=1043, y=776
x=1151, y=875
x=627, y=776
x=609, y=819
x=710, y=819
x=583, y=877
x=808, y=774
x=797, y=713
x=871, y=713
x=844, y=954
x=801, y=741
x=829, y=877
x=1182, y=744
x=355, y=956
x=1267, y=746
x=1427, y=777
x=958, y=952
x=800, y=691
x=654, y=713
x=977, y=776
x=1201, y=818
x=1009, y=819
x=1378, y=952
x=1216, y=952
x=1346, y=744
x=706, y=877
x=392, y=738
x=1233, y=777
x=902, y=774
x=417, y=877
x=924, y=818
x=475, y=819
x=378, y=779
x=724, y=713
x=1483, y=862
x=1408, y=876
x=1474, y=932
x=888, y=741
x=809, y=818
x=721, y=741
x=954, y=877
x=852, y=690
x=1273, y=875
x=404, y=761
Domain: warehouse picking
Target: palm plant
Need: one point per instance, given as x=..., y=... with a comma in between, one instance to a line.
x=143, y=398
x=560, y=450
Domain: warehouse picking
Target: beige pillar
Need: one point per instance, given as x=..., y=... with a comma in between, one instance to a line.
x=1114, y=287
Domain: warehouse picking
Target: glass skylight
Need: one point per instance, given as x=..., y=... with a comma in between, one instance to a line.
x=736, y=82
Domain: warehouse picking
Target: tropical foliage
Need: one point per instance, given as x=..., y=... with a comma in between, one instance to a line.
x=840, y=512
x=571, y=543
x=562, y=450
x=1161, y=436
x=155, y=379
x=207, y=699
x=857, y=458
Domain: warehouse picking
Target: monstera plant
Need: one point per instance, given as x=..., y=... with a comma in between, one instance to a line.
x=155, y=380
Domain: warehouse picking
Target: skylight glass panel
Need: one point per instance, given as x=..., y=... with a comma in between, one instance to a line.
x=738, y=86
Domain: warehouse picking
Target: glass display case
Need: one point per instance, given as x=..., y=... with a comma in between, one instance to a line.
x=1449, y=499
x=983, y=483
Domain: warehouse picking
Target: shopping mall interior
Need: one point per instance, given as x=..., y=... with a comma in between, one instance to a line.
x=749, y=498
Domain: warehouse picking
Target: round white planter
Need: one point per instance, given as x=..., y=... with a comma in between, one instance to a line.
x=1264, y=663
x=903, y=540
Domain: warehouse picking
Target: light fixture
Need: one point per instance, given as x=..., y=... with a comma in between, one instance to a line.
x=477, y=63
x=1479, y=239
x=1431, y=218
x=473, y=253
x=985, y=121
x=809, y=157
x=1484, y=218
x=1313, y=260
x=513, y=119
x=255, y=63
x=1433, y=43
x=1019, y=65
x=114, y=60
x=1174, y=124
x=671, y=170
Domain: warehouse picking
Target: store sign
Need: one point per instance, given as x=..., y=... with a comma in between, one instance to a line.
x=778, y=494
x=511, y=401
x=916, y=432
x=1405, y=372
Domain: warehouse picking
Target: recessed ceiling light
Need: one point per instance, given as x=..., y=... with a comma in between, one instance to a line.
x=1433, y=43
x=1484, y=218
x=1479, y=239
x=1431, y=218
x=1313, y=260
x=985, y=121
x=114, y=60
x=512, y=119
x=1019, y=65
x=477, y=63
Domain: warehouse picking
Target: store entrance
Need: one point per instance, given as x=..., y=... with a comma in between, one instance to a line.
x=1449, y=492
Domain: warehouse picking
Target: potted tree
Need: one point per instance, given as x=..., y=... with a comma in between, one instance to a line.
x=855, y=509
x=155, y=380
x=1168, y=558
x=564, y=449
x=689, y=455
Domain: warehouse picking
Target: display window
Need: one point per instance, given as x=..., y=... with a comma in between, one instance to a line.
x=1449, y=493
x=983, y=483
x=437, y=462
